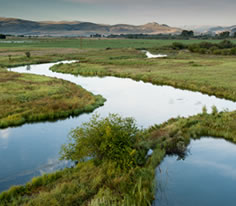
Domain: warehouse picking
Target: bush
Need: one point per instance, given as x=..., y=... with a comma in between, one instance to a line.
x=178, y=46
x=2, y=36
x=233, y=51
x=113, y=139
x=225, y=47
x=226, y=44
x=28, y=54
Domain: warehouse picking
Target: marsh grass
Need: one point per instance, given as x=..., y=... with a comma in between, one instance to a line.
x=103, y=184
x=213, y=75
x=31, y=98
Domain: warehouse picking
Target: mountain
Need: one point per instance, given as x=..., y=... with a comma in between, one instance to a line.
x=197, y=28
x=74, y=28
x=220, y=29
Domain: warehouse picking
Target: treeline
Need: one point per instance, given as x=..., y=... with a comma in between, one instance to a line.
x=225, y=47
x=3, y=36
x=185, y=34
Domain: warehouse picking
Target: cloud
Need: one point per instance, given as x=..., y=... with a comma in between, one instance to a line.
x=223, y=169
x=4, y=134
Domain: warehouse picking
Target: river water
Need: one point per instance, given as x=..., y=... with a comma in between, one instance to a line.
x=207, y=177
x=32, y=149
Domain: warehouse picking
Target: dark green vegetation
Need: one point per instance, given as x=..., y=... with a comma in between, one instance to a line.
x=86, y=43
x=225, y=47
x=111, y=139
x=211, y=74
x=2, y=36
x=102, y=181
x=29, y=98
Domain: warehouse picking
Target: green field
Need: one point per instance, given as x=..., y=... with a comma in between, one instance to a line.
x=93, y=43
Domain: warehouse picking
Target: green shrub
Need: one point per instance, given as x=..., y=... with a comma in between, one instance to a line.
x=113, y=139
x=178, y=46
x=28, y=54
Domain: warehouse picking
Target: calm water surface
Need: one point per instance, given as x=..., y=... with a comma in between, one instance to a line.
x=207, y=177
x=32, y=149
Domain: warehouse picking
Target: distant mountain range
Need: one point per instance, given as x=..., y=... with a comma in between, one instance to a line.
x=210, y=29
x=74, y=28
x=220, y=29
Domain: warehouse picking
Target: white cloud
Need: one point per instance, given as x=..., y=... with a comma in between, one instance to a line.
x=223, y=169
x=4, y=134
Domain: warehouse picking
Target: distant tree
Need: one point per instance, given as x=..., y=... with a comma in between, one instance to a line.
x=178, y=46
x=2, y=36
x=186, y=33
x=226, y=44
x=224, y=34
x=28, y=54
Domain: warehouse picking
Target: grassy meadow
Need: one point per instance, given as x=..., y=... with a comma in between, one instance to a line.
x=29, y=98
x=89, y=183
x=86, y=43
x=210, y=74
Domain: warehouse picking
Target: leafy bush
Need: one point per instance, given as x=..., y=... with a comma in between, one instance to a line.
x=113, y=139
x=28, y=54
x=178, y=46
x=225, y=47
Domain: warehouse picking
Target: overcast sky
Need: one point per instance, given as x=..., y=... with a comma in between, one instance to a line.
x=172, y=12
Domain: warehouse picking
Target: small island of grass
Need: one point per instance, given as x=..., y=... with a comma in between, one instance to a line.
x=30, y=98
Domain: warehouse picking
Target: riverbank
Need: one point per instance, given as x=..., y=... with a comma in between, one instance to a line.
x=90, y=184
x=27, y=98
x=209, y=74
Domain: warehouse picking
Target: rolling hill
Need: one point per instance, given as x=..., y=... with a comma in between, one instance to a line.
x=74, y=28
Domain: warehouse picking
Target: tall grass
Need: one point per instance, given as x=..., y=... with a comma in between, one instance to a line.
x=104, y=184
x=32, y=98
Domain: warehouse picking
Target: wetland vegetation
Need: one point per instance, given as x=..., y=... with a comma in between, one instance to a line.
x=112, y=179
x=96, y=182
x=210, y=74
x=30, y=98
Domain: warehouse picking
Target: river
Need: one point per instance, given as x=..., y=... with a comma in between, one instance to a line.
x=32, y=149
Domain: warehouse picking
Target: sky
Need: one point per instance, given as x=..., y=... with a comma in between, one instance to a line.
x=137, y=12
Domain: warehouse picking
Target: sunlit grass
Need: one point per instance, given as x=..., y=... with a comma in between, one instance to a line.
x=214, y=75
x=30, y=98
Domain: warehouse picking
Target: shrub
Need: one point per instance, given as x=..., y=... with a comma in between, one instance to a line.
x=226, y=44
x=233, y=51
x=214, y=110
x=113, y=139
x=28, y=54
x=178, y=46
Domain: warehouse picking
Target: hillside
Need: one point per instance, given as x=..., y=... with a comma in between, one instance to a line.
x=75, y=28
x=220, y=29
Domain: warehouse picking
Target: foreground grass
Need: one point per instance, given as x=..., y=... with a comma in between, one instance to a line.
x=29, y=98
x=91, y=184
x=210, y=74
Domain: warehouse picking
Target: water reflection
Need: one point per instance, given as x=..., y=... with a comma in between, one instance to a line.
x=206, y=177
x=4, y=133
x=25, y=149
x=28, y=68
